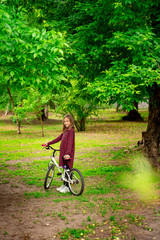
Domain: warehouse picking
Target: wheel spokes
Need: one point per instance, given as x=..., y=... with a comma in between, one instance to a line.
x=75, y=183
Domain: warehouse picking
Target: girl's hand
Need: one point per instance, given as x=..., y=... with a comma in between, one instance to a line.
x=66, y=157
x=44, y=145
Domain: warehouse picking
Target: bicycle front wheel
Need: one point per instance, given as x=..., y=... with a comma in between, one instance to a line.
x=76, y=185
x=49, y=177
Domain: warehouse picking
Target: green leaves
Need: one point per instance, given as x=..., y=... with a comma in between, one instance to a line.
x=29, y=49
x=30, y=58
x=114, y=53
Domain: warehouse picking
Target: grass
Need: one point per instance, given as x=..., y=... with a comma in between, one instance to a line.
x=104, y=154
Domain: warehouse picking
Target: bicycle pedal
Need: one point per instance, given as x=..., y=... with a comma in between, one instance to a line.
x=59, y=173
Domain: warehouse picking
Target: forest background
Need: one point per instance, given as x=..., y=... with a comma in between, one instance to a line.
x=80, y=57
x=77, y=56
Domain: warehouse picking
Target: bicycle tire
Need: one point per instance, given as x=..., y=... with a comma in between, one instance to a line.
x=77, y=185
x=49, y=177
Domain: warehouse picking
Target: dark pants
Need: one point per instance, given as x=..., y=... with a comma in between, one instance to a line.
x=66, y=183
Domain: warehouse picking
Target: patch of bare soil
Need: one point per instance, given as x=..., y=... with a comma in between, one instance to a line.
x=125, y=228
x=43, y=218
x=37, y=219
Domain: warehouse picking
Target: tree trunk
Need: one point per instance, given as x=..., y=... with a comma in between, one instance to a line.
x=42, y=125
x=80, y=124
x=117, y=107
x=77, y=125
x=40, y=114
x=45, y=113
x=152, y=135
x=7, y=109
x=133, y=114
x=18, y=126
x=17, y=120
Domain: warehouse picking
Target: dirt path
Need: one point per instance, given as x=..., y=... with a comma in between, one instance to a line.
x=43, y=218
x=38, y=219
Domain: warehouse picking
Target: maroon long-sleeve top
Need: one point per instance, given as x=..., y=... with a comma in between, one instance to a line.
x=67, y=146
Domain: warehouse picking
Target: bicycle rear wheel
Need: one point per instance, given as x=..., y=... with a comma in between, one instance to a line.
x=76, y=185
x=49, y=177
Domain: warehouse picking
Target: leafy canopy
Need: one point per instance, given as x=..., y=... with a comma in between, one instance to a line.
x=31, y=58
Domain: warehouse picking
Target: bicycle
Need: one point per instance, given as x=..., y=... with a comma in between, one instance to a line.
x=72, y=176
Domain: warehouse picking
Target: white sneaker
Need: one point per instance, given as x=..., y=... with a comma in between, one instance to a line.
x=60, y=188
x=65, y=189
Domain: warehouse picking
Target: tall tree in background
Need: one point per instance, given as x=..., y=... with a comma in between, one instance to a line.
x=30, y=59
x=118, y=43
x=78, y=102
x=134, y=74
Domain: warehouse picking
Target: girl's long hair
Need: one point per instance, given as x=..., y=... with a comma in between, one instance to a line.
x=71, y=122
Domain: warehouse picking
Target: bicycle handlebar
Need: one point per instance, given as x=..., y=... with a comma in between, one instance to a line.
x=49, y=147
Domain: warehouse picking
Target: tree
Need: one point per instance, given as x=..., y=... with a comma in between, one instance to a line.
x=134, y=74
x=118, y=43
x=133, y=114
x=30, y=58
x=152, y=135
x=79, y=20
x=77, y=101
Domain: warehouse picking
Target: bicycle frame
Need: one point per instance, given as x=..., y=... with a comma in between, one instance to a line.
x=54, y=162
x=65, y=171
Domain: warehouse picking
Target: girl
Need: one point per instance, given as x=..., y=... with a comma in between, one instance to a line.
x=67, y=146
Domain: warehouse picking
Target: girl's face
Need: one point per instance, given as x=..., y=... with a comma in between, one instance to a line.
x=66, y=122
